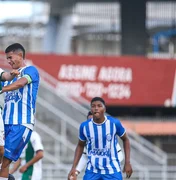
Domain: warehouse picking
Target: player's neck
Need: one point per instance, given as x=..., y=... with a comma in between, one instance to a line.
x=99, y=120
x=22, y=66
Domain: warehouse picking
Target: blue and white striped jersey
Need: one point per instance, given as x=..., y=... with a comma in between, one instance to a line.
x=19, y=105
x=101, y=142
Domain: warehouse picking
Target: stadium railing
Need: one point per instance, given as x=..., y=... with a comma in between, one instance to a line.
x=155, y=172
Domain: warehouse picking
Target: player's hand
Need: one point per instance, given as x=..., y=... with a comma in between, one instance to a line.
x=72, y=174
x=14, y=72
x=23, y=169
x=128, y=170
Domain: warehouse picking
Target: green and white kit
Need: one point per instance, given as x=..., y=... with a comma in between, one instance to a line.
x=35, y=144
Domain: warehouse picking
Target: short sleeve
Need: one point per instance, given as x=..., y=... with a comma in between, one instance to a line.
x=81, y=132
x=36, y=142
x=22, y=156
x=32, y=72
x=120, y=129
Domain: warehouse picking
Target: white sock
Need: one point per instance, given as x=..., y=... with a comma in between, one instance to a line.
x=3, y=178
x=0, y=165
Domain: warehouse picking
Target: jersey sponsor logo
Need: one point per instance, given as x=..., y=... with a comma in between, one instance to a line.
x=13, y=96
x=100, y=152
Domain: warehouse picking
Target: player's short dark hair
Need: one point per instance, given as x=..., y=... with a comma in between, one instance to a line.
x=89, y=114
x=15, y=47
x=98, y=99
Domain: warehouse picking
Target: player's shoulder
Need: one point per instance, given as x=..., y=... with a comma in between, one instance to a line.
x=113, y=119
x=31, y=67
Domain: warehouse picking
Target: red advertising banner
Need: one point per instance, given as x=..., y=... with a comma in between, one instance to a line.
x=119, y=80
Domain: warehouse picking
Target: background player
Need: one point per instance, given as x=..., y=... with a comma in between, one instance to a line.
x=100, y=136
x=83, y=161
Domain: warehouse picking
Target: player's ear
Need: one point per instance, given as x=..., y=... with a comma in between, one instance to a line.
x=104, y=109
x=20, y=54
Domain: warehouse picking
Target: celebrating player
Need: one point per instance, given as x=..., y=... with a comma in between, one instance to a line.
x=19, y=106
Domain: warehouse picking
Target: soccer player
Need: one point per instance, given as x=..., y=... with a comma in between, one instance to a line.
x=19, y=106
x=83, y=160
x=4, y=76
x=100, y=135
x=31, y=159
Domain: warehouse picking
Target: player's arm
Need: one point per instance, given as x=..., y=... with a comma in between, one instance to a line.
x=15, y=166
x=82, y=163
x=37, y=157
x=126, y=145
x=127, y=166
x=77, y=156
x=17, y=84
x=8, y=76
x=120, y=153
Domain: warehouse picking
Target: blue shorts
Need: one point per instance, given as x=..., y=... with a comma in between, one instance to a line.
x=89, y=175
x=16, y=137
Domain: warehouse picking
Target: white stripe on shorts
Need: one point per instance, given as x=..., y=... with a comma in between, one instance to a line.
x=25, y=134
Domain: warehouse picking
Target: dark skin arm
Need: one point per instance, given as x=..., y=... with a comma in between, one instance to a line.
x=37, y=157
x=16, y=166
x=16, y=85
x=78, y=154
x=127, y=166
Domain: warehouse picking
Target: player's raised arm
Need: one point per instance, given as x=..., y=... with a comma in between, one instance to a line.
x=28, y=75
x=16, y=85
x=8, y=76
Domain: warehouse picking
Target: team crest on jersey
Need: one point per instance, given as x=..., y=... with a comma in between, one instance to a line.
x=14, y=96
x=108, y=137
